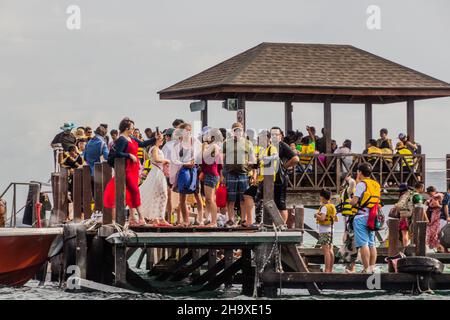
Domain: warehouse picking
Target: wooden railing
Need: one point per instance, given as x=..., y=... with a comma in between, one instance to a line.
x=330, y=170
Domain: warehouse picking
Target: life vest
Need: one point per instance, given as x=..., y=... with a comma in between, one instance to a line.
x=387, y=153
x=373, y=150
x=347, y=208
x=371, y=196
x=331, y=216
x=140, y=154
x=270, y=150
x=408, y=160
x=307, y=150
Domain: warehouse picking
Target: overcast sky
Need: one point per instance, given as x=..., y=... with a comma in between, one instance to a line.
x=126, y=51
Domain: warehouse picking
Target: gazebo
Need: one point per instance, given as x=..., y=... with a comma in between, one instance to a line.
x=319, y=73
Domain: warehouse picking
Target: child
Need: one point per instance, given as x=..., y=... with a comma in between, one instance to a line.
x=325, y=218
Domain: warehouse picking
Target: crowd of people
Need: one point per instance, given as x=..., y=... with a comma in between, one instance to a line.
x=221, y=172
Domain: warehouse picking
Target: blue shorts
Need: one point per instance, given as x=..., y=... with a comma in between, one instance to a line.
x=363, y=236
x=211, y=181
x=236, y=184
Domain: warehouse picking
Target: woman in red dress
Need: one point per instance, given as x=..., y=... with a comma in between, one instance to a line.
x=126, y=146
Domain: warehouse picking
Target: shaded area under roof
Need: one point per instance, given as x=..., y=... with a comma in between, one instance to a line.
x=300, y=72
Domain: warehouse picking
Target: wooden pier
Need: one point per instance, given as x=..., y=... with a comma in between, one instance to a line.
x=208, y=258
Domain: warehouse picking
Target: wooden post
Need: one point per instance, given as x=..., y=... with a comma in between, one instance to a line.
x=87, y=192
x=77, y=194
x=393, y=238
x=107, y=174
x=81, y=250
x=327, y=124
x=417, y=216
x=63, y=200
x=369, y=121
x=241, y=111
x=248, y=279
x=228, y=262
x=119, y=174
x=421, y=238
x=410, y=119
x=267, y=196
x=204, y=115
x=300, y=220
x=54, y=219
x=212, y=258
x=288, y=109
x=98, y=187
x=120, y=265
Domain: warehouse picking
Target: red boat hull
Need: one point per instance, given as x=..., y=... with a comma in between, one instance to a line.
x=22, y=255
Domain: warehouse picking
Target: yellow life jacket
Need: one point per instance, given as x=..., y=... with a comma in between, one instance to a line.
x=373, y=150
x=347, y=208
x=140, y=153
x=331, y=216
x=372, y=195
x=306, y=150
x=408, y=159
x=269, y=151
x=387, y=153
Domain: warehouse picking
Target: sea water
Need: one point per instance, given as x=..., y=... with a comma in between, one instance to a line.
x=179, y=290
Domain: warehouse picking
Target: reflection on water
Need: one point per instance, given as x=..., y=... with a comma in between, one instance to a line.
x=180, y=291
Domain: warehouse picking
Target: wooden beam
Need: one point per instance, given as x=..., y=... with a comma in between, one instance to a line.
x=63, y=197
x=393, y=239
x=369, y=121
x=210, y=273
x=410, y=119
x=288, y=109
x=77, y=194
x=204, y=115
x=327, y=124
x=225, y=277
x=119, y=174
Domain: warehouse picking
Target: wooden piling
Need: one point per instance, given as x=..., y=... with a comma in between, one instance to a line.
x=393, y=239
x=54, y=219
x=106, y=177
x=119, y=174
x=87, y=192
x=300, y=220
x=120, y=266
x=81, y=250
x=63, y=195
x=447, y=162
x=77, y=194
x=421, y=238
x=98, y=187
x=228, y=262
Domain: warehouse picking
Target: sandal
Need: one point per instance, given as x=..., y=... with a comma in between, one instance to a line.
x=229, y=224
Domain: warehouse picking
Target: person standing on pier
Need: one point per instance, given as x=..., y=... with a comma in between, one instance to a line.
x=367, y=195
x=126, y=147
x=325, y=219
x=96, y=148
x=154, y=188
x=238, y=156
x=434, y=204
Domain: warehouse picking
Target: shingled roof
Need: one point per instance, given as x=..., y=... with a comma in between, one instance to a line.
x=303, y=72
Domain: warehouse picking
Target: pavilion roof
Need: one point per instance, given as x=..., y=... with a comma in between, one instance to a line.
x=308, y=72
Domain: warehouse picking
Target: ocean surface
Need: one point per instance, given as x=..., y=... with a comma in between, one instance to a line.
x=48, y=290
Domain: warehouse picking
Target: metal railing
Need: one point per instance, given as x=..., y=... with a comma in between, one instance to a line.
x=330, y=170
x=14, y=211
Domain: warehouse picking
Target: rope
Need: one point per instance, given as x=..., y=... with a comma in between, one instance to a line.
x=428, y=290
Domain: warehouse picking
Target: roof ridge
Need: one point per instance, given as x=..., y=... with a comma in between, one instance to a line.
x=400, y=65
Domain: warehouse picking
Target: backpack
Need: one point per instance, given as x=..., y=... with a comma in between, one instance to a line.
x=221, y=196
x=375, y=221
x=405, y=204
x=187, y=180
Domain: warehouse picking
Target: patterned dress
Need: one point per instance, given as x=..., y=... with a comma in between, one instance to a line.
x=434, y=213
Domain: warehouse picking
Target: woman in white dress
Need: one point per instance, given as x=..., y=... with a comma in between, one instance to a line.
x=154, y=188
